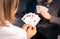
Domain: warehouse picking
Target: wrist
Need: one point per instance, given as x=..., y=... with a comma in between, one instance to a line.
x=28, y=37
x=49, y=17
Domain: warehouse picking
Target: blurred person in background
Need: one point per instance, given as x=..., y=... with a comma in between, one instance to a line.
x=48, y=27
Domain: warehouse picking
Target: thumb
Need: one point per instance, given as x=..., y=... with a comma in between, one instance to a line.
x=25, y=27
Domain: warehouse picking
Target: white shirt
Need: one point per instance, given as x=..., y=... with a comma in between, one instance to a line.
x=12, y=32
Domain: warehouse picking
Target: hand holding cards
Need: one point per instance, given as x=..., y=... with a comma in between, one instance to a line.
x=31, y=18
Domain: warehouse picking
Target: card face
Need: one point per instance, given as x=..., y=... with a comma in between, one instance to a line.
x=41, y=8
x=26, y=18
x=31, y=18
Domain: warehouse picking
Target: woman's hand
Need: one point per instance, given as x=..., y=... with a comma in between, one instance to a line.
x=31, y=31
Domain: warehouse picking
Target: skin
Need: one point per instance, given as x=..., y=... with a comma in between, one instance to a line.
x=44, y=13
x=49, y=1
x=31, y=31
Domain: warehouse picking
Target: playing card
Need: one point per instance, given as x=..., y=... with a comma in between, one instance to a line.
x=26, y=18
x=41, y=8
x=36, y=19
x=31, y=18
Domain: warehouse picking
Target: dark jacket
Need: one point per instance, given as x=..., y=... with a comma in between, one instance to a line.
x=55, y=20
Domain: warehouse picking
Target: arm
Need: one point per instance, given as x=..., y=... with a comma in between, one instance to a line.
x=54, y=19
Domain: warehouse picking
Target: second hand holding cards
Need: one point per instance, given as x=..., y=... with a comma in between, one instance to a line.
x=31, y=18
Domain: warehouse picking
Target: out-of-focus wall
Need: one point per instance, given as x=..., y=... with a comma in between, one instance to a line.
x=22, y=5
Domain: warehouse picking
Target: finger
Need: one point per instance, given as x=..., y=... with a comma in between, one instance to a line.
x=29, y=29
x=33, y=28
x=26, y=26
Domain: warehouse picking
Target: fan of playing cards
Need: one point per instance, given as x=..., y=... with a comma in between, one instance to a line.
x=40, y=8
x=31, y=18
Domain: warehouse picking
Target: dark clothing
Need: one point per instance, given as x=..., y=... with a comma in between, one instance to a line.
x=51, y=30
x=39, y=36
x=55, y=20
x=31, y=6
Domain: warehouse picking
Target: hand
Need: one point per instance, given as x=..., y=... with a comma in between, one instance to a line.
x=31, y=31
x=45, y=14
x=25, y=27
